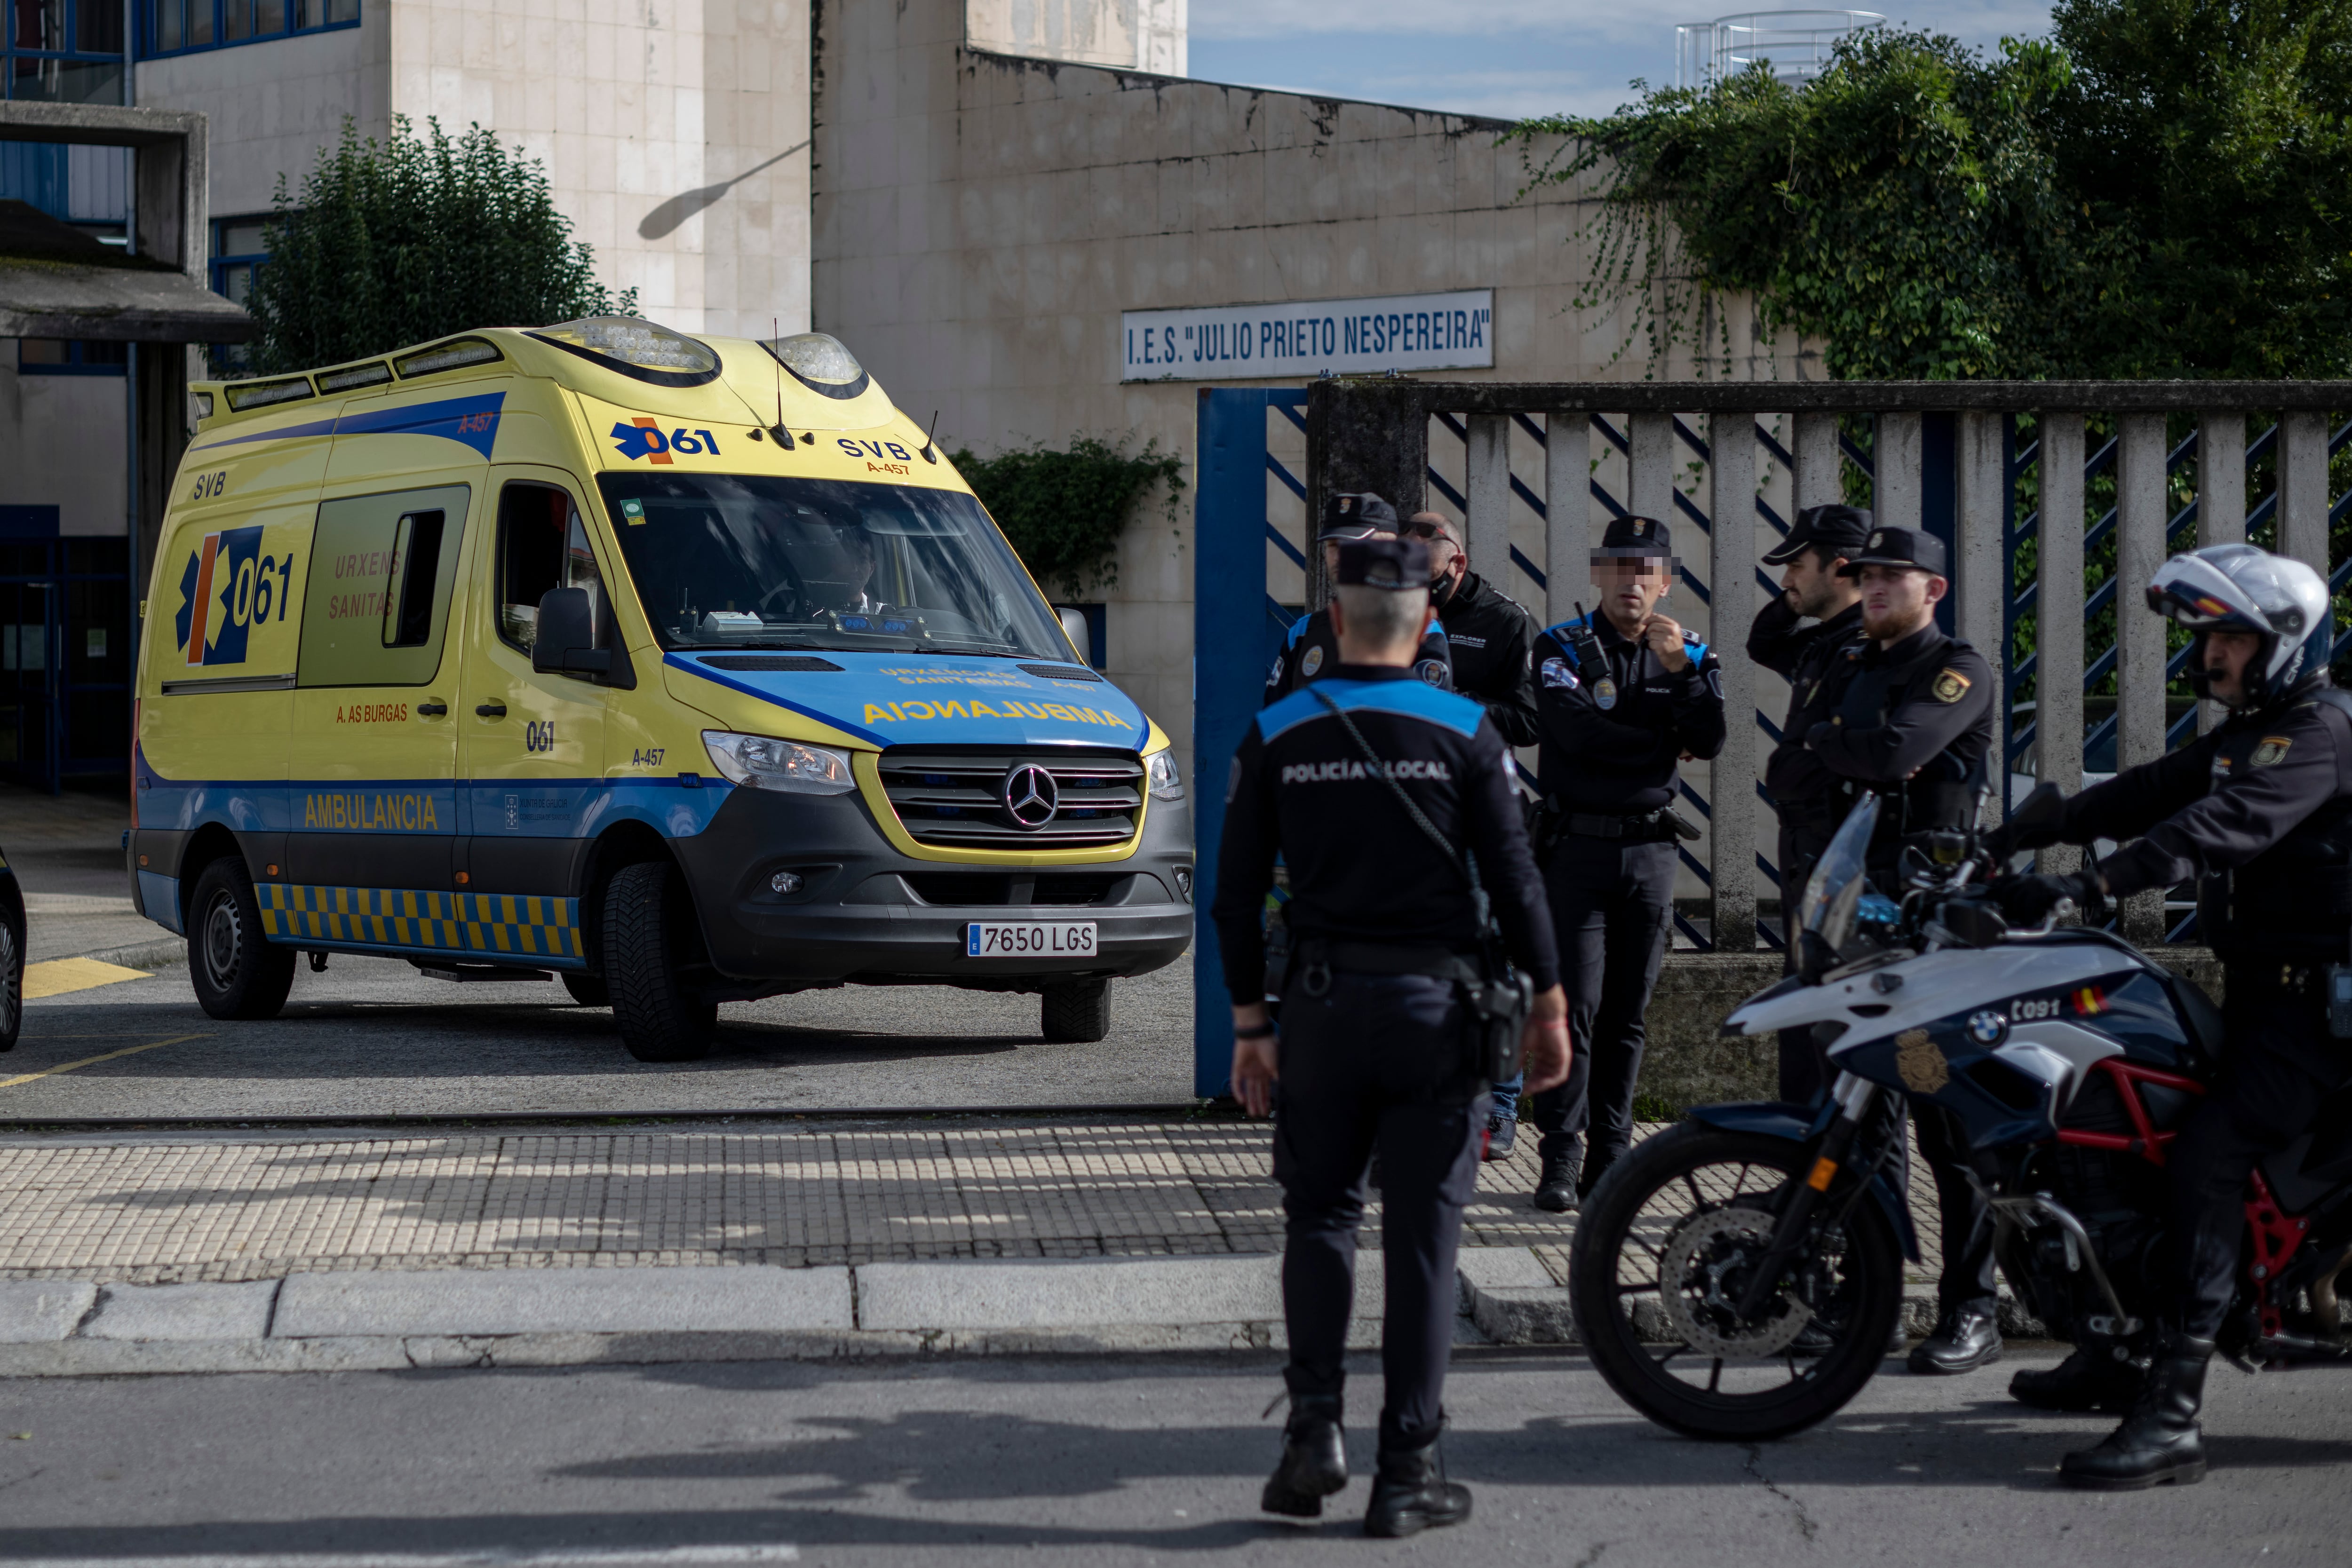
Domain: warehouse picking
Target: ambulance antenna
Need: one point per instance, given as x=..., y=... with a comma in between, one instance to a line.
x=929, y=456
x=783, y=437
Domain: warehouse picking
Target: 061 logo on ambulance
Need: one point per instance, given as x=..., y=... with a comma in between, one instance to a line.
x=227, y=588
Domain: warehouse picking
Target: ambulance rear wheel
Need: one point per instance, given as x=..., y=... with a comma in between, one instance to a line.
x=587, y=989
x=1076, y=1014
x=237, y=972
x=649, y=936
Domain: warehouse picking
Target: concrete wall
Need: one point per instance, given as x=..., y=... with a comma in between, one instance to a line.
x=981, y=221
x=273, y=105
x=77, y=418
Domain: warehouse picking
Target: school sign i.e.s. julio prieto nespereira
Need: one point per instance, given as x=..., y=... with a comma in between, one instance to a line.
x=1309, y=337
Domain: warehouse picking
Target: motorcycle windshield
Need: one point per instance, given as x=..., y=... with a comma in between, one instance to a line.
x=1834, y=892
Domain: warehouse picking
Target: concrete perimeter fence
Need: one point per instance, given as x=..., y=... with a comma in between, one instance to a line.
x=2057, y=501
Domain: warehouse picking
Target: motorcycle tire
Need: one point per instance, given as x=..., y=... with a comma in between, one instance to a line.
x=1619, y=1336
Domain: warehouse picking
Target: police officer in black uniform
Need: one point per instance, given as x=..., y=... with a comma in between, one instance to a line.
x=1492, y=643
x=2259, y=810
x=1914, y=723
x=1378, y=1048
x=1621, y=695
x=1809, y=799
x=1310, y=649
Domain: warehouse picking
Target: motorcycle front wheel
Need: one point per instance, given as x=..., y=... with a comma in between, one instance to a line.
x=1663, y=1250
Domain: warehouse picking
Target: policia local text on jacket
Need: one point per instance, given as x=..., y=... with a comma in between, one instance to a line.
x=1377, y=1049
x=1914, y=723
x=1806, y=796
x=1616, y=716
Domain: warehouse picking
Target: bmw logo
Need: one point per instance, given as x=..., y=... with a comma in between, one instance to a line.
x=1988, y=1028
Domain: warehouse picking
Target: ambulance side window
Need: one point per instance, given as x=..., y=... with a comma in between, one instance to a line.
x=542, y=545
x=375, y=608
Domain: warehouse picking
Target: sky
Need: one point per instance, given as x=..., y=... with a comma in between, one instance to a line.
x=1510, y=59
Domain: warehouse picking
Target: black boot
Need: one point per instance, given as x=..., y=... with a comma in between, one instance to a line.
x=1555, y=1188
x=1968, y=1338
x=2099, y=1375
x=2159, y=1441
x=1314, y=1460
x=1411, y=1494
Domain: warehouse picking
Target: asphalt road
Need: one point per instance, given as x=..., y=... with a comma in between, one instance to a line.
x=1112, y=1461
x=371, y=1038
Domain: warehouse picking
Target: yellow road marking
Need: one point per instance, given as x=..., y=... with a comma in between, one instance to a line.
x=94, y=1060
x=56, y=976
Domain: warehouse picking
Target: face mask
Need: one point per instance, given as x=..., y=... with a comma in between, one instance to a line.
x=1440, y=589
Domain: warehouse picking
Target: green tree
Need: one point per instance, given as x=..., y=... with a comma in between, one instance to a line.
x=396, y=242
x=2158, y=190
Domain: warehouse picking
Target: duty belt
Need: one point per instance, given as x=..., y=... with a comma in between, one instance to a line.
x=1434, y=960
x=1618, y=827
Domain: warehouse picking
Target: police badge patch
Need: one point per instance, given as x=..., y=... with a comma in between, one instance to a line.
x=1432, y=671
x=1950, y=686
x=1556, y=672
x=1604, y=692
x=2272, y=751
x=1923, y=1066
x=1309, y=665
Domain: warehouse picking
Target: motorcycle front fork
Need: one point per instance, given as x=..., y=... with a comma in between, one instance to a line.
x=1858, y=1101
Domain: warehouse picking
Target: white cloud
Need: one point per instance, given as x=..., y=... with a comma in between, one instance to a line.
x=1977, y=21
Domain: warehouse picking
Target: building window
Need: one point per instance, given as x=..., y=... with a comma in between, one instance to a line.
x=238, y=253
x=65, y=51
x=179, y=26
x=69, y=357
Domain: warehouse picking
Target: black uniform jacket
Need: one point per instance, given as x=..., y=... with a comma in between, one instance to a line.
x=1915, y=722
x=1612, y=734
x=1811, y=659
x=1360, y=870
x=2259, y=811
x=1493, y=641
x=1311, y=650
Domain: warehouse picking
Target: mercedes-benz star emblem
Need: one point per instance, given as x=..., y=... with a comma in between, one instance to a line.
x=1031, y=797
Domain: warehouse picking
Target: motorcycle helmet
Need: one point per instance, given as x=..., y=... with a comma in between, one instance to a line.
x=2238, y=587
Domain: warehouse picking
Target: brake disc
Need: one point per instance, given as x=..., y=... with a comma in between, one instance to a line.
x=1701, y=1273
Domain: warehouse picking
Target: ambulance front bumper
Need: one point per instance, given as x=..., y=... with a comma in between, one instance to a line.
x=862, y=911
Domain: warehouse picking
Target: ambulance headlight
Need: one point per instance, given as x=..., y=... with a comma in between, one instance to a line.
x=764, y=762
x=1160, y=770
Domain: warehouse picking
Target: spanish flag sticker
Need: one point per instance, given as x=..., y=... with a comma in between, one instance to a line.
x=2090, y=999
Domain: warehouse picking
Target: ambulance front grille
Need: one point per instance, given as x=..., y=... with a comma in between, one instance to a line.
x=955, y=799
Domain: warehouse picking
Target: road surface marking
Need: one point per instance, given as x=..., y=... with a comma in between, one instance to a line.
x=93, y=1061
x=487, y=1557
x=56, y=976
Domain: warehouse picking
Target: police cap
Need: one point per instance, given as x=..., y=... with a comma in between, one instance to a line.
x=1835, y=530
x=1887, y=545
x=1356, y=514
x=1637, y=536
x=1384, y=561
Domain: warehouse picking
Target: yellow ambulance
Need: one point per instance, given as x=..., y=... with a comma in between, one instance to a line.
x=683, y=670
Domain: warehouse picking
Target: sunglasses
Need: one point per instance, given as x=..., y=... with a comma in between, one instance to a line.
x=1428, y=531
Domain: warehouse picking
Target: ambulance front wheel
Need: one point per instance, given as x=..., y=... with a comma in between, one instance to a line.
x=649, y=937
x=1077, y=1013
x=238, y=973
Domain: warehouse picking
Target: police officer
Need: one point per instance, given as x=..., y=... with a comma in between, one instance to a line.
x=2259, y=810
x=1492, y=641
x=1620, y=695
x=1377, y=1049
x=1809, y=799
x=1310, y=649
x=1914, y=723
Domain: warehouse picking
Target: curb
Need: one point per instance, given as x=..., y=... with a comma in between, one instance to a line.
x=148, y=955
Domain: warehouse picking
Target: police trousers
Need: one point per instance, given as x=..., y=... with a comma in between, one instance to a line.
x=1378, y=1061
x=1965, y=1222
x=2282, y=1065
x=1611, y=903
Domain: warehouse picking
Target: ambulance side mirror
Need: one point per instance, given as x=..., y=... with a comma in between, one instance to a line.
x=566, y=640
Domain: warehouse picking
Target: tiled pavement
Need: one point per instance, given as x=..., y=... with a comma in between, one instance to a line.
x=147, y=1213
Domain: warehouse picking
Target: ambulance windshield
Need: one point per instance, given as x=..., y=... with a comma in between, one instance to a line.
x=724, y=560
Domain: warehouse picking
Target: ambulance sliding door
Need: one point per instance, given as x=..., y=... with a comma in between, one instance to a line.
x=374, y=760
x=532, y=751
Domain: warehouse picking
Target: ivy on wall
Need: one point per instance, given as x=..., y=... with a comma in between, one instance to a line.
x=391, y=243
x=2159, y=189
x=1064, y=510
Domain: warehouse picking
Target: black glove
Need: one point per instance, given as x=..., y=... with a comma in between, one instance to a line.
x=2028, y=900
